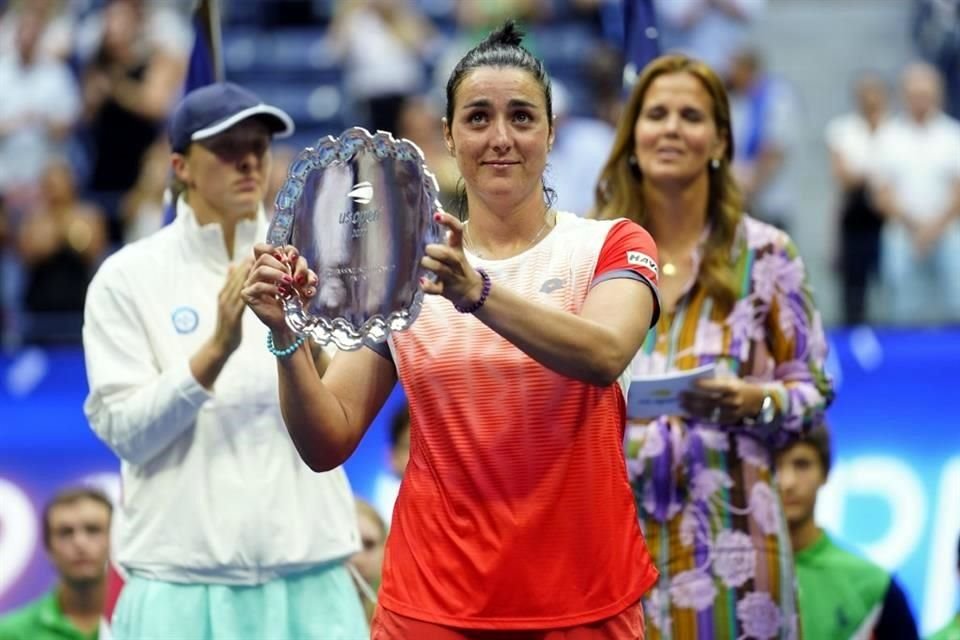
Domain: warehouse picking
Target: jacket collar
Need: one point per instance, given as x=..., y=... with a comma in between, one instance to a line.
x=206, y=242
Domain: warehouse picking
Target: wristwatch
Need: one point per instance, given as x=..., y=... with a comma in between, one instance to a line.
x=767, y=413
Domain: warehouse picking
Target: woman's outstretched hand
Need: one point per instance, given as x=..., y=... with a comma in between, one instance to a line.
x=276, y=272
x=456, y=280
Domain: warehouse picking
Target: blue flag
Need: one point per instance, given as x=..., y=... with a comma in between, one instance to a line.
x=200, y=71
x=641, y=36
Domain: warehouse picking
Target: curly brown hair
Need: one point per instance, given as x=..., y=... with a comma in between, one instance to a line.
x=618, y=191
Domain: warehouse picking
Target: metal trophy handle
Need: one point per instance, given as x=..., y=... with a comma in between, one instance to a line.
x=359, y=208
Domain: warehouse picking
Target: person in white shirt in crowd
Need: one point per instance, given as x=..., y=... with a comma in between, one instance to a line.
x=133, y=58
x=56, y=37
x=851, y=142
x=40, y=105
x=382, y=45
x=225, y=532
x=917, y=188
x=709, y=30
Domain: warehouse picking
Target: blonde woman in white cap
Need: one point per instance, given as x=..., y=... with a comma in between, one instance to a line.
x=225, y=532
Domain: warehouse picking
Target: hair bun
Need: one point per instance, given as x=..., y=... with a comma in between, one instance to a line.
x=508, y=35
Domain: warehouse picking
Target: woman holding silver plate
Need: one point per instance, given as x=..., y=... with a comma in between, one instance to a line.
x=515, y=514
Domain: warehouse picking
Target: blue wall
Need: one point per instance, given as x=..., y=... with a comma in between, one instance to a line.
x=894, y=493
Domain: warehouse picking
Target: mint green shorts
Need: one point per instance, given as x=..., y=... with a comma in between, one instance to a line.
x=319, y=604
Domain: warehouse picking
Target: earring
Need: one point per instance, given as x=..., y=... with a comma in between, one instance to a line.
x=715, y=163
x=632, y=160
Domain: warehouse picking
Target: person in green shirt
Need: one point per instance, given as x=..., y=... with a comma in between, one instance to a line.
x=952, y=630
x=76, y=534
x=842, y=595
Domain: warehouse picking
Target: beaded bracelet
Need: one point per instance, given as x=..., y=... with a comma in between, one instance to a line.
x=284, y=353
x=483, y=294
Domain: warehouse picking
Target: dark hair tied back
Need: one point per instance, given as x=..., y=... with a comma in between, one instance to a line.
x=502, y=48
x=509, y=34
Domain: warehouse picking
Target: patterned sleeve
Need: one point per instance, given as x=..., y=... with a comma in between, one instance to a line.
x=629, y=252
x=794, y=336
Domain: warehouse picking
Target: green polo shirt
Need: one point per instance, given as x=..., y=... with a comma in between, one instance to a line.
x=839, y=592
x=949, y=632
x=42, y=619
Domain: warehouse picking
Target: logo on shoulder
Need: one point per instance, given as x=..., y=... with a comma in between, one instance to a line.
x=362, y=192
x=642, y=260
x=185, y=319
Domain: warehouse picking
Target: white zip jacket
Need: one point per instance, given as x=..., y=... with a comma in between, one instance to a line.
x=213, y=490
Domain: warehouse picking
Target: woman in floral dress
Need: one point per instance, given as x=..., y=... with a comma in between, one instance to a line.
x=734, y=292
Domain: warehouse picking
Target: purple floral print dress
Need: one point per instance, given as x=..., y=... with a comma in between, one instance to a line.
x=705, y=492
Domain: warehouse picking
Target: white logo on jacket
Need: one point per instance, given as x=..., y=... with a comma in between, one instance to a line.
x=185, y=319
x=643, y=260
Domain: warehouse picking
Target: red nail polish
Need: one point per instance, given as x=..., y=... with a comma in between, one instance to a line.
x=287, y=279
x=300, y=279
x=437, y=217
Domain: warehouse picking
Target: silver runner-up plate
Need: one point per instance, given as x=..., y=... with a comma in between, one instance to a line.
x=359, y=208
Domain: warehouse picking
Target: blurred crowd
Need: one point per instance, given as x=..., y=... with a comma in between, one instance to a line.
x=89, y=84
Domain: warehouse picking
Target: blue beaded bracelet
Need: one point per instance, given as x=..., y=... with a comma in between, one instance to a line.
x=484, y=292
x=283, y=353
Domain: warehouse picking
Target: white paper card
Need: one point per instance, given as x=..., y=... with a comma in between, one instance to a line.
x=656, y=395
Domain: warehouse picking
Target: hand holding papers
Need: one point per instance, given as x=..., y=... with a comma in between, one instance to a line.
x=655, y=395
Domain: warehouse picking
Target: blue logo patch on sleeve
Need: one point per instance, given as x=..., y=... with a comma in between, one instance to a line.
x=185, y=319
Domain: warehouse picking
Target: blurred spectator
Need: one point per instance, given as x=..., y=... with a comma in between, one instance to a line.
x=764, y=130
x=851, y=140
x=580, y=149
x=56, y=35
x=143, y=207
x=952, y=630
x=130, y=83
x=387, y=487
x=602, y=74
x=76, y=535
x=40, y=105
x=918, y=191
x=381, y=44
x=710, y=30
x=841, y=594
x=368, y=562
x=420, y=121
x=584, y=138
x=283, y=155
x=61, y=243
x=937, y=35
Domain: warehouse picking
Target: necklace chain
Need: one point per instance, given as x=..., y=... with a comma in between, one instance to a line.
x=540, y=233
